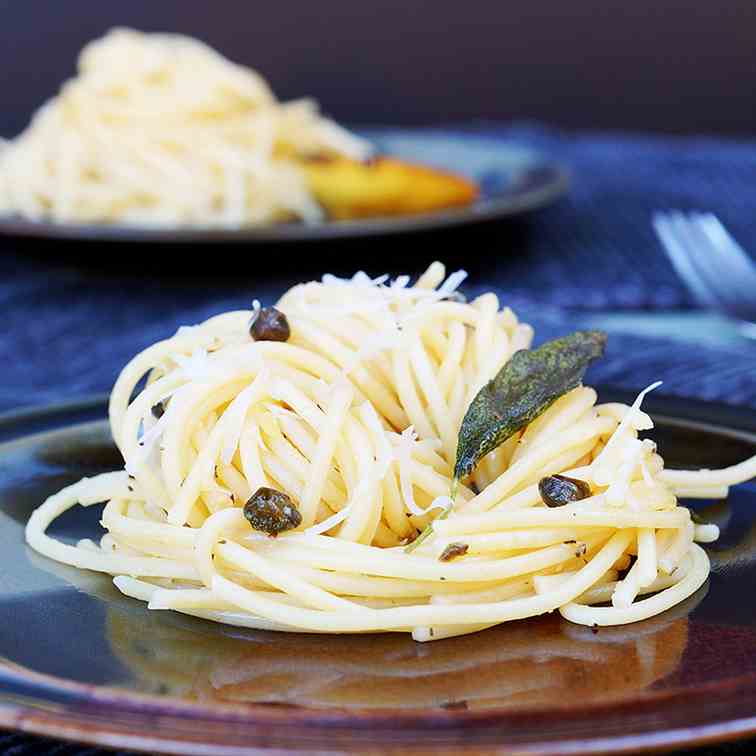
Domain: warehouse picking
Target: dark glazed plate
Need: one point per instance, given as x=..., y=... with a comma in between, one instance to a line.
x=82, y=662
x=513, y=180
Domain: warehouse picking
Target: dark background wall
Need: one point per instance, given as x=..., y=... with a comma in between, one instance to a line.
x=666, y=65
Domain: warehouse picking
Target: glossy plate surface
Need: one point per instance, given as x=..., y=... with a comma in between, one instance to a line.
x=80, y=661
x=513, y=180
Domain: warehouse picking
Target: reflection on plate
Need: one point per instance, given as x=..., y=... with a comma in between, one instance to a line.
x=517, y=665
x=82, y=660
x=513, y=180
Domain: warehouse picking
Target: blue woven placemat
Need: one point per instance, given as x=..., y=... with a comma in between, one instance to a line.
x=596, y=249
x=66, y=331
x=14, y=744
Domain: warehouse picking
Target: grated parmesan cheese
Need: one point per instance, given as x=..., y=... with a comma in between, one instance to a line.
x=602, y=469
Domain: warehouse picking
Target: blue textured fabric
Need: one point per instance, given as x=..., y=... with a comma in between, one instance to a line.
x=12, y=744
x=66, y=331
x=596, y=248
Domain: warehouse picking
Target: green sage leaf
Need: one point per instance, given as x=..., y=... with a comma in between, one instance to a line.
x=525, y=387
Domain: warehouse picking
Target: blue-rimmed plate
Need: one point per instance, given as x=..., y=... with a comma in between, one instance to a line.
x=82, y=662
x=513, y=180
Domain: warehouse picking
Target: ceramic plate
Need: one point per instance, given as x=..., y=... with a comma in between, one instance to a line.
x=82, y=662
x=513, y=180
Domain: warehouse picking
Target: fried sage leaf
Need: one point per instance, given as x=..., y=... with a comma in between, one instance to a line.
x=525, y=387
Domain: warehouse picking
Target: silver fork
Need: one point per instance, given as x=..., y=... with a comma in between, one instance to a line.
x=718, y=272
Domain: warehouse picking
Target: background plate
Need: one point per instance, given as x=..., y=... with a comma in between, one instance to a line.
x=513, y=180
x=81, y=661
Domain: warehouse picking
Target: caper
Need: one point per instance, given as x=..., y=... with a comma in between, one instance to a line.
x=558, y=490
x=270, y=325
x=271, y=511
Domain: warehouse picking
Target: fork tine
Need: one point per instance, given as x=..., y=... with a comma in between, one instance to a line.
x=730, y=275
x=734, y=272
x=677, y=246
x=741, y=269
x=705, y=258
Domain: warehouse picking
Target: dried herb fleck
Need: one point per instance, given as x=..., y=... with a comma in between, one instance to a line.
x=270, y=325
x=525, y=387
x=427, y=530
x=452, y=551
x=271, y=511
x=456, y=296
x=409, y=539
x=558, y=490
x=455, y=705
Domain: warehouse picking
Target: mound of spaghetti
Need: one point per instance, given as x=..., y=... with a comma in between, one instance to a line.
x=293, y=468
x=160, y=130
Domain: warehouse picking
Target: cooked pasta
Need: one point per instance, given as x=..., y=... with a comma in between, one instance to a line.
x=355, y=418
x=160, y=130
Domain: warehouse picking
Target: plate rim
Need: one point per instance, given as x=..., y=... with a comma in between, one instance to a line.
x=557, y=183
x=91, y=713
